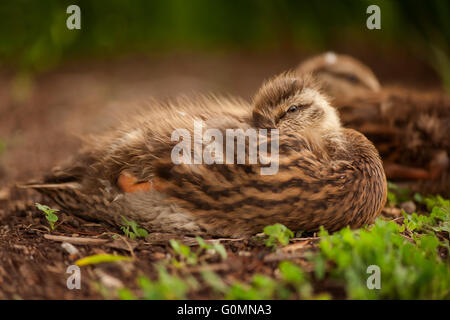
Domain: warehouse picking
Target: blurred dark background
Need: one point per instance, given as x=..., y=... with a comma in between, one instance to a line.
x=33, y=36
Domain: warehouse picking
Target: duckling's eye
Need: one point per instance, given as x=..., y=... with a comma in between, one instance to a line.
x=292, y=108
x=352, y=78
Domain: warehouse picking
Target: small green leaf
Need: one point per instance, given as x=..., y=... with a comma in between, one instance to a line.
x=125, y=294
x=175, y=245
x=220, y=250
x=136, y=231
x=100, y=258
x=418, y=198
x=291, y=273
x=202, y=243
x=142, y=233
x=278, y=234
x=52, y=217
x=49, y=214
x=214, y=281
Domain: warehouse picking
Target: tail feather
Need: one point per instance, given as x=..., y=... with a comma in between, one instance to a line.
x=45, y=186
x=63, y=194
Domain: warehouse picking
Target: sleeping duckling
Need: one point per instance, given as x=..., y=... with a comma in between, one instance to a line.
x=327, y=175
x=409, y=128
x=342, y=77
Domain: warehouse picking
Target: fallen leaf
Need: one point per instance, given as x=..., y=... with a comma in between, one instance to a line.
x=100, y=258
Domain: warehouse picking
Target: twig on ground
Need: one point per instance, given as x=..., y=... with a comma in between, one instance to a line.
x=305, y=239
x=273, y=257
x=76, y=240
x=117, y=244
x=295, y=246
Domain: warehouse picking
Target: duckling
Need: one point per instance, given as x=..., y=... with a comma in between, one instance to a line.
x=328, y=175
x=409, y=128
x=342, y=77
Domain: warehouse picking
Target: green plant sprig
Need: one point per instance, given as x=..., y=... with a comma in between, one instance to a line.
x=135, y=231
x=50, y=215
x=278, y=235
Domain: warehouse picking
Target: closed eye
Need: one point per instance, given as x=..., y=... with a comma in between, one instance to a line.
x=294, y=108
x=349, y=77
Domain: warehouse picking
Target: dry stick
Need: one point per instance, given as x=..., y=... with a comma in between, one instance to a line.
x=295, y=246
x=130, y=248
x=279, y=257
x=193, y=242
x=190, y=241
x=76, y=240
x=225, y=239
x=87, y=241
x=305, y=239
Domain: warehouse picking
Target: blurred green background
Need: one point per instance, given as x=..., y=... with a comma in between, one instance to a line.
x=34, y=38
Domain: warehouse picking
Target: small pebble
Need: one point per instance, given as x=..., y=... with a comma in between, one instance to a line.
x=408, y=206
x=107, y=280
x=158, y=255
x=4, y=194
x=70, y=248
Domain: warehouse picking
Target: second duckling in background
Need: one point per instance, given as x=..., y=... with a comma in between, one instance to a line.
x=410, y=128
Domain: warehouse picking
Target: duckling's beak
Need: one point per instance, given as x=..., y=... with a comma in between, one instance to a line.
x=262, y=121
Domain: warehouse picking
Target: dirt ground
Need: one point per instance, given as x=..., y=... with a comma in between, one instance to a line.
x=40, y=122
